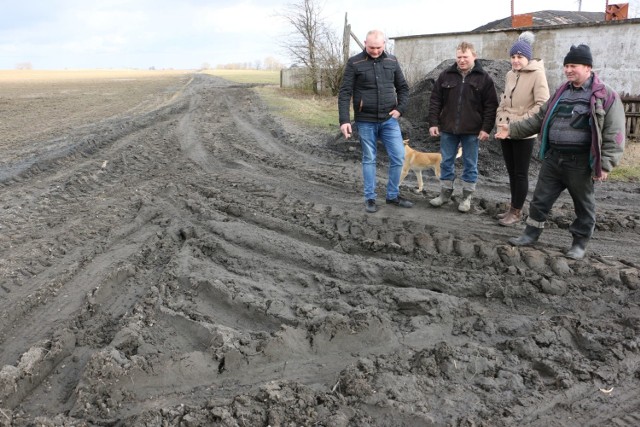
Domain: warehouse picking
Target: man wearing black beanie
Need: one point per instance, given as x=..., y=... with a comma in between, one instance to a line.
x=580, y=54
x=582, y=135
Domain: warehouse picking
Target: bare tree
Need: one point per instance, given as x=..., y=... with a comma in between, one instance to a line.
x=271, y=63
x=332, y=63
x=312, y=43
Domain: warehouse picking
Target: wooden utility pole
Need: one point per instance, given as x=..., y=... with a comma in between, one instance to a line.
x=347, y=34
x=345, y=39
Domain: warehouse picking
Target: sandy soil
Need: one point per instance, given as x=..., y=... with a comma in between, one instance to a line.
x=174, y=253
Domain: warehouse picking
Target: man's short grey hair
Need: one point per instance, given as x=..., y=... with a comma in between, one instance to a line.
x=377, y=33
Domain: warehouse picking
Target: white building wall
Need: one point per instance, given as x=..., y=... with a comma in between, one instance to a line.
x=615, y=58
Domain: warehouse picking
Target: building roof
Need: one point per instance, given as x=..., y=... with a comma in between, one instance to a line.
x=546, y=18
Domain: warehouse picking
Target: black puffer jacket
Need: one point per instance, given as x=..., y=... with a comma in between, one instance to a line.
x=463, y=106
x=377, y=86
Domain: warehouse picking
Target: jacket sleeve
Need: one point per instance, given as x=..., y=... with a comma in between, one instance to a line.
x=502, y=113
x=540, y=91
x=528, y=127
x=613, y=135
x=345, y=94
x=490, y=106
x=435, y=104
x=402, y=90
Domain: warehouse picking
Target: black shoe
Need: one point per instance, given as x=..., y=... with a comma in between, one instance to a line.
x=399, y=201
x=370, y=206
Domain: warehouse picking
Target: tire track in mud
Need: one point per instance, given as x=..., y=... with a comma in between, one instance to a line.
x=88, y=240
x=222, y=272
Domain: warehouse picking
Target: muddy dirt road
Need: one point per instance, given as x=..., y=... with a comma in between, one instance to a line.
x=201, y=261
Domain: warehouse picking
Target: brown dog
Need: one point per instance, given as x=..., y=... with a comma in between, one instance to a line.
x=418, y=161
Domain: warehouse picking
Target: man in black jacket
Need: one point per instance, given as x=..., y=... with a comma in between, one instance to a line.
x=374, y=81
x=462, y=111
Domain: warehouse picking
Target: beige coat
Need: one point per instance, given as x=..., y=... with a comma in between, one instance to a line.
x=524, y=92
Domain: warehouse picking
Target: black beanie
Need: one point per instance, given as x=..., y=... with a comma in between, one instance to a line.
x=580, y=54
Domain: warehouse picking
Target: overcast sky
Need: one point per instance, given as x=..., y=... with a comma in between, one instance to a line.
x=185, y=34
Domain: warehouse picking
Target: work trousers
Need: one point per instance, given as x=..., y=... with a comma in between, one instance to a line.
x=572, y=172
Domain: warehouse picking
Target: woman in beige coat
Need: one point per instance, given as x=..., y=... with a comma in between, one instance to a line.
x=526, y=89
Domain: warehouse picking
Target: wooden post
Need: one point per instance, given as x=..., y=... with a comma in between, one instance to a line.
x=356, y=39
x=346, y=38
x=346, y=34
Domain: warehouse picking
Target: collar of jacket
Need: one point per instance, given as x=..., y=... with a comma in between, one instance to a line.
x=597, y=88
x=382, y=55
x=533, y=65
x=477, y=68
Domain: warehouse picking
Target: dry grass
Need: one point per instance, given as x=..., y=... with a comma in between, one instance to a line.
x=304, y=108
x=629, y=168
x=269, y=77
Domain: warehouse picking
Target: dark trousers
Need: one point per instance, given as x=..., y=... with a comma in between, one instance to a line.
x=566, y=171
x=517, y=157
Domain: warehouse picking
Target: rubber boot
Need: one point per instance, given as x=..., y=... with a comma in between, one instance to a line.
x=465, y=204
x=513, y=217
x=578, y=248
x=528, y=237
x=444, y=197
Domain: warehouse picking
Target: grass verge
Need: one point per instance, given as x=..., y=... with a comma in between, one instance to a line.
x=304, y=108
x=269, y=77
x=629, y=168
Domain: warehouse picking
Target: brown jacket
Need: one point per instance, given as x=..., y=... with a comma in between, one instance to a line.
x=463, y=105
x=524, y=93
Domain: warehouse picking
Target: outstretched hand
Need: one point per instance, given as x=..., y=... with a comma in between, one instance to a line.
x=502, y=132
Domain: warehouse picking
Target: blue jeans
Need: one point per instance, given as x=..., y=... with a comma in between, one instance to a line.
x=449, y=143
x=388, y=132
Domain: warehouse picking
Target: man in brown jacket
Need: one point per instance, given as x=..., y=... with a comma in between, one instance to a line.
x=462, y=111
